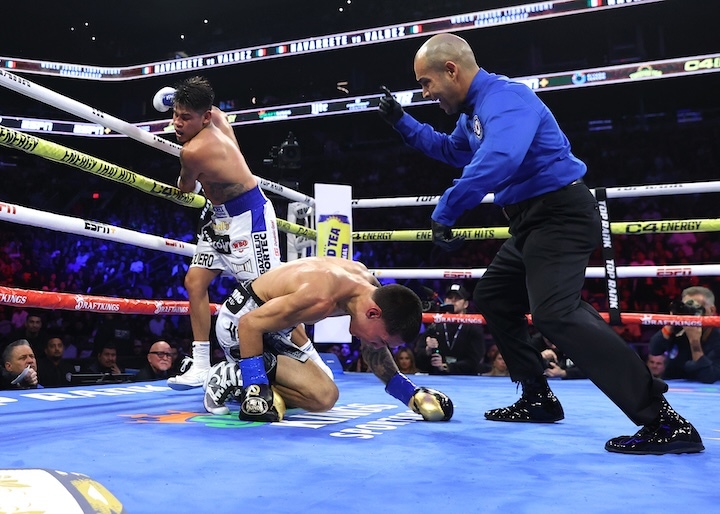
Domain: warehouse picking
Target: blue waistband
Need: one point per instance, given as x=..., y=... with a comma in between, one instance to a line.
x=247, y=201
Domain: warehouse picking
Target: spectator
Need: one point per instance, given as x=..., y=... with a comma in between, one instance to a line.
x=18, y=318
x=137, y=269
x=159, y=363
x=17, y=358
x=499, y=368
x=116, y=328
x=105, y=360
x=157, y=325
x=557, y=364
x=656, y=365
x=452, y=348
x=405, y=360
x=177, y=361
x=692, y=353
x=348, y=357
x=52, y=368
x=6, y=326
x=487, y=361
x=32, y=331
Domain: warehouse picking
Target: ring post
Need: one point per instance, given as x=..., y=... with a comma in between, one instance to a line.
x=333, y=219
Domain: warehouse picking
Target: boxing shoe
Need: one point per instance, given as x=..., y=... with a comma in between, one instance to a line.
x=195, y=376
x=669, y=433
x=537, y=404
x=222, y=383
x=260, y=402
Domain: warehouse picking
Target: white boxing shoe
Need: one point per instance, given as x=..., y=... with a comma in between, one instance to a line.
x=195, y=376
x=222, y=383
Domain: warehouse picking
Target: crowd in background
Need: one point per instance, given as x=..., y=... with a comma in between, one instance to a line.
x=47, y=260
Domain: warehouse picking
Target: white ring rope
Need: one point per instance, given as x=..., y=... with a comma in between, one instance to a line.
x=288, y=193
x=677, y=270
x=42, y=94
x=612, y=192
x=41, y=219
x=47, y=96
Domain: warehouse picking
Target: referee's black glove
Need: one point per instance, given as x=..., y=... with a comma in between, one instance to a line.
x=443, y=238
x=390, y=109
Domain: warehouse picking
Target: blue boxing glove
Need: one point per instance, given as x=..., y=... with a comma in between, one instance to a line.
x=443, y=238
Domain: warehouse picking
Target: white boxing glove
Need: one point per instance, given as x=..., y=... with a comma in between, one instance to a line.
x=163, y=99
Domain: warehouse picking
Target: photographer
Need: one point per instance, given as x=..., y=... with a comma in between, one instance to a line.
x=692, y=353
x=451, y=348
x=557, y=364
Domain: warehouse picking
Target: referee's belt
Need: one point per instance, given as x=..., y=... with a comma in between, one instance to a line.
x=512, y=210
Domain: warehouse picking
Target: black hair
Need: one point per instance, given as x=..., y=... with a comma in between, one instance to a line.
x=195, y=93
x=401, y=310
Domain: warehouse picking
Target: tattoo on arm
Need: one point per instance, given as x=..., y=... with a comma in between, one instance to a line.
x=380, y=361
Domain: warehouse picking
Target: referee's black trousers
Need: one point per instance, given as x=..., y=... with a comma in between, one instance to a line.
x=541, y=270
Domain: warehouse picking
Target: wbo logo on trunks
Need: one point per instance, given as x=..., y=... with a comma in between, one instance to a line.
x=477, y=127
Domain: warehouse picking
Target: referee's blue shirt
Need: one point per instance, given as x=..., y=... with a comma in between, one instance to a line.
x=506, y=140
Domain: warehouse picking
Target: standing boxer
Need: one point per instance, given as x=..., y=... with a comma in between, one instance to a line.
x=238, y=233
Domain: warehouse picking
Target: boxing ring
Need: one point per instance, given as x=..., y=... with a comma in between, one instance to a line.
x=155, y=450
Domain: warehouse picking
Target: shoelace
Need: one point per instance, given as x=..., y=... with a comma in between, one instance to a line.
x=185, y=364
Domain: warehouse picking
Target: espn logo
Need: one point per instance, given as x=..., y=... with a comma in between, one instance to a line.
x=457, y=274
x=674, y=272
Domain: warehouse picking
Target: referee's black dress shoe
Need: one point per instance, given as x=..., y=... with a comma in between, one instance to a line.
x=669, y=433
x=537, y=404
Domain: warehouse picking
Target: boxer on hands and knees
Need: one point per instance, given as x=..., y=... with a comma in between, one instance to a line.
x=238, y=232
x=254, y=323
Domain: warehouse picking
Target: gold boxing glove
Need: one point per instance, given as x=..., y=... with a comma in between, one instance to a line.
x=431, y=404
x=261, y=402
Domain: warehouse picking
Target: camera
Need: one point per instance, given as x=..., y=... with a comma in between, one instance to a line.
x=432, y=303
x=432, y=331
x=445, y=308
x=546, y=362
x=285, y=156
x=689, y=308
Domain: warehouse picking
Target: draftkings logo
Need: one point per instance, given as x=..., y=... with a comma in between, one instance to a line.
x=340, y=420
